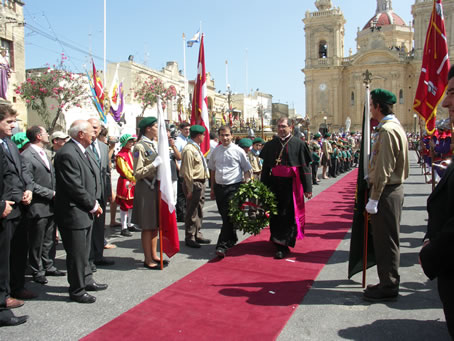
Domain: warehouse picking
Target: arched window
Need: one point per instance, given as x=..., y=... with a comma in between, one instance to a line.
x=322, y=49
x=353, y=98
x=401, y=96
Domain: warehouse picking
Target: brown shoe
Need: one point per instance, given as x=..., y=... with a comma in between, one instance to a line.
x=12, y=303
x=24, y=294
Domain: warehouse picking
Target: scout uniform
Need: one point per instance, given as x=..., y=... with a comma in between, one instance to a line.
x=254, y=159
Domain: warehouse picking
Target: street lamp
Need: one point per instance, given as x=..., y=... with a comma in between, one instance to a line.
x=229, y=100
x=415, y=117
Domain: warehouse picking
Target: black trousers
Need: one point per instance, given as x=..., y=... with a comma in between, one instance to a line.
x=333, y=168
x=97, y=238
x=5, y=243
x=445, y=290
x=314, y=172
x=180, y=206
x=224, y=193
x=77, y=244
x=41, y=240
x=18, y=252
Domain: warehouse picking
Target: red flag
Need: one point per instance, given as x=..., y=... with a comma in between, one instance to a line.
x=434, y=69
x=97, y=85
x=199, y=113
x=168, y=223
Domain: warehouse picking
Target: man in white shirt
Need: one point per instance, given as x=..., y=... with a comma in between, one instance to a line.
x=180, y=143
x=229, y=167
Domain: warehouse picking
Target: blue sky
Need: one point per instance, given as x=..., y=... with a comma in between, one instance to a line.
x=266, y=35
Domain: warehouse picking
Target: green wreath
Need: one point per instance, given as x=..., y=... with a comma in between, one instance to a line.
x=251, y=206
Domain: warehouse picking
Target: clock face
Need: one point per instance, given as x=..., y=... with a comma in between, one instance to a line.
x=322, y=86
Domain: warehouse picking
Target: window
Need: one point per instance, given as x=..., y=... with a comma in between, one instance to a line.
x=353, y=98
x=323, y=49
x=8, y=46
x=401, y=96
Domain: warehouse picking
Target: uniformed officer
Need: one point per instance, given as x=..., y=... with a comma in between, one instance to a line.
x=194, y=170
x=254, y=159
x=146, y=205
x=388, y=169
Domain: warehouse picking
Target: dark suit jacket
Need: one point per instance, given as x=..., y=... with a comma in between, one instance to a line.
x=5, y=177
x=76, y=187
x=43, y=178
x=104, y=170
x=437, y=258
x=21, y=179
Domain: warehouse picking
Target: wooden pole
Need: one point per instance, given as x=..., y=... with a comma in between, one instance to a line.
x=160, y=228
x=366, y=237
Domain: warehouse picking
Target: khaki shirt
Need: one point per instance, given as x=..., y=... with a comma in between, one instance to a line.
x=327, y=148
x=254, y=160
x=389, y=160
x=144, y=153
x=192, y=166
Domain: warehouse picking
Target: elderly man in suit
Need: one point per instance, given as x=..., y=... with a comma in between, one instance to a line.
x=7, y=318
x=19, y=190
x=101, y=155
x=78, y=186
x=40, y=215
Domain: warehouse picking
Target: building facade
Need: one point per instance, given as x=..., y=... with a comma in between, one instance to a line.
x=390, y=49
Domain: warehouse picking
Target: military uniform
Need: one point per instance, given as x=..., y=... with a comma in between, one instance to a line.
x=146, y=205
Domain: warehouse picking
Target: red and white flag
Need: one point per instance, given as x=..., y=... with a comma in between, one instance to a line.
x=167, y=217
x=434, y=69
x=199, y=113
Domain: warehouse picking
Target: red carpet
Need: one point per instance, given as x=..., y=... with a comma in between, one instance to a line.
x=248, y=295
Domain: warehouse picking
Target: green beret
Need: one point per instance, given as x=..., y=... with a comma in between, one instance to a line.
x=125, y=139
x=20, y=139
x=245, y=143
x=258, y=140
x=197, y=129
x=327, y=135
x=147, y=121
x=317, y=135
x=384, y=96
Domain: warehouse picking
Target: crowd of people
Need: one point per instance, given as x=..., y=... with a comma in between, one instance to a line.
x=59, y=186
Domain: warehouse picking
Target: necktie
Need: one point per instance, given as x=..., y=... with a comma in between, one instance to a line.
x=44, y=158
x=5, y=147
x=95, y=151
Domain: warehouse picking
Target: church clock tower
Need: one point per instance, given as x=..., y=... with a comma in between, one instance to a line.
x=324, y=30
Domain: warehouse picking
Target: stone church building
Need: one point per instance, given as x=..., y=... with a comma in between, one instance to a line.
x=386, y=46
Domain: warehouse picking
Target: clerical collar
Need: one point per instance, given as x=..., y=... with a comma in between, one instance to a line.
x=285, y=138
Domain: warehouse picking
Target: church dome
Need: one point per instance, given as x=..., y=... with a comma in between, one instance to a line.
x=383, y=19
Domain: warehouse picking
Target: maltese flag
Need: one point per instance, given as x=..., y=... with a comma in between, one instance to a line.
x=194, y=39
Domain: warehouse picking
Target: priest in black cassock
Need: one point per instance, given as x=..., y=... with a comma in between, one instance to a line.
x=287, y=172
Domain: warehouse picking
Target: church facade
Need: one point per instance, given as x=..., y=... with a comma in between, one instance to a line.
x=390, y=49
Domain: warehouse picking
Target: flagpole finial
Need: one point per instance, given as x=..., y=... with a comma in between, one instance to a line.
x=367, y=77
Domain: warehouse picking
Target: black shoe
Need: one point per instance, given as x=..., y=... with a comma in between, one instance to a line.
x=192, y=243
x=104, y=262
x=13, y=321
x=96, y=287
x=156, y=267
x=40, y=279
x=282, y=253
x=220, y=252
x=203, y=240
x=85, y=298
x=375, y=293
x=126, y=233
x=134, y=228
x=55, y=273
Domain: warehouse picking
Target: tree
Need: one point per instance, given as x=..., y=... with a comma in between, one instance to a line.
x=53, y=91
x=150, y=89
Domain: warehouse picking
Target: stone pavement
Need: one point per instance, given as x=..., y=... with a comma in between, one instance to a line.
x=332, y=310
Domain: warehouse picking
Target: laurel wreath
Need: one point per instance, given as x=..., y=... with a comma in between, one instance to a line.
x=251, y=207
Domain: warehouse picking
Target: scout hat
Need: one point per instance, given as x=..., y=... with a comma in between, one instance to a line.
x=384, y=96
x=124, y=139
x=327, y=135
x=198, y=129
x=258, y=140
x=20, y=139
x=245, y=143
x=58, y=135
x=147, y=121
x=317, y=135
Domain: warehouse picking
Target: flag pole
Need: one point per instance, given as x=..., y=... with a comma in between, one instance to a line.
x=366, y=236
x=161, y=262
x=105, y=40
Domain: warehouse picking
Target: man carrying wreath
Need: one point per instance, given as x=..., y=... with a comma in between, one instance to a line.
x=287, y=172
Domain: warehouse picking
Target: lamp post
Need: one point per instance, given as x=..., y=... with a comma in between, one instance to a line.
x=415, y=117
x=229, y=101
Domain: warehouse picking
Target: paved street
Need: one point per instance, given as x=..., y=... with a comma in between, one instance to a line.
x=332, y=310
